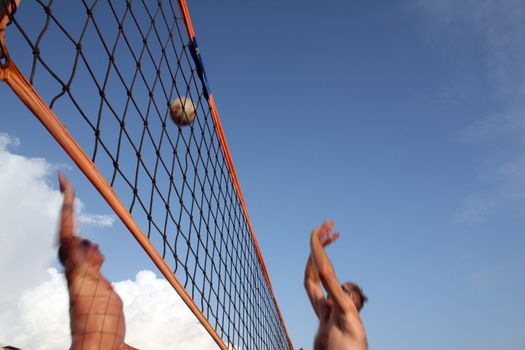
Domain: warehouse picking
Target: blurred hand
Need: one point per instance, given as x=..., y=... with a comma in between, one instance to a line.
x=325, y=234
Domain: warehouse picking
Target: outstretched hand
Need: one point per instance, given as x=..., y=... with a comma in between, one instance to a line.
x=325, y=233
x=66, y=189
x=67, y=221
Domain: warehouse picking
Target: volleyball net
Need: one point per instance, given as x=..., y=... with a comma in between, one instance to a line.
x=100, y=76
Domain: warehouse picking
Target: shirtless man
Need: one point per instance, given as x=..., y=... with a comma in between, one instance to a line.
x=340, y=327
x=97, y=319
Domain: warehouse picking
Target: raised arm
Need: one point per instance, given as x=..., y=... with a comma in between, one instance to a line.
x=67, y=217
x=67, y=252
x=312, y=284
x=324, y=267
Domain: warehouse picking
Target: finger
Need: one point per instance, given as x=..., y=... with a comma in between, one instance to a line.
x=320, y=231
x=327, y=226
x=329, y=238
x=335, y=236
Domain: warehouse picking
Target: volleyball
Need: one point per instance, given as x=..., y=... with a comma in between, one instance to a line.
x=182, y=111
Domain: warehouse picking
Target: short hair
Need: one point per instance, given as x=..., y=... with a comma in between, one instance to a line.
x=354, y=288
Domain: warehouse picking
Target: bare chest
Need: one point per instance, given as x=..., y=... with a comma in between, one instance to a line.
x=95, y=307
x=93, y=294
x=333, y=334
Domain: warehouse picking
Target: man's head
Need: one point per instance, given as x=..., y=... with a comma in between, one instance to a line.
x=356, y=293
x=84, y=249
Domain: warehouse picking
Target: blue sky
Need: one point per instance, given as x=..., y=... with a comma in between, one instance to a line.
x=403, y=121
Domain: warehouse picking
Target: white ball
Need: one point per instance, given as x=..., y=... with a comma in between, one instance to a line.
x=182, y=111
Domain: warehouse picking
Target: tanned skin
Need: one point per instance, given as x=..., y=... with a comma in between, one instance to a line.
x=340, y=326
x=97, y=318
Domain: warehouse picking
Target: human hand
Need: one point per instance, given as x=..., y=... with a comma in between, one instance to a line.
x=66, y=189
x=325, y=234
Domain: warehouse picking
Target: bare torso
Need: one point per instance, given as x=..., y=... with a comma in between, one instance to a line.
x=339, y=332
x=96, y=314
x=97, y=320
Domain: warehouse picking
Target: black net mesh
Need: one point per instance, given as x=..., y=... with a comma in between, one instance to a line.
x=108, y=70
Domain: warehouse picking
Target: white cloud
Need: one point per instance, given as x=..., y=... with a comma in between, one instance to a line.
x=39, y=319
x=156, y=318
x=8, y=141
x=96, y=220
x=84, y=218
x=33, y=298
x=29, y=208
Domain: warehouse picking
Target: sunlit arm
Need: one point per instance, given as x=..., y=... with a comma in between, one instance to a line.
x=67, y=218
x=312, y=284
x=320, y=237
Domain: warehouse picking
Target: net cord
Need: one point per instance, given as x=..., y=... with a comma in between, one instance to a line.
x=191, y=33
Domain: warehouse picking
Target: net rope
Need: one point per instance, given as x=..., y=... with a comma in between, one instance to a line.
x=109, y=70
